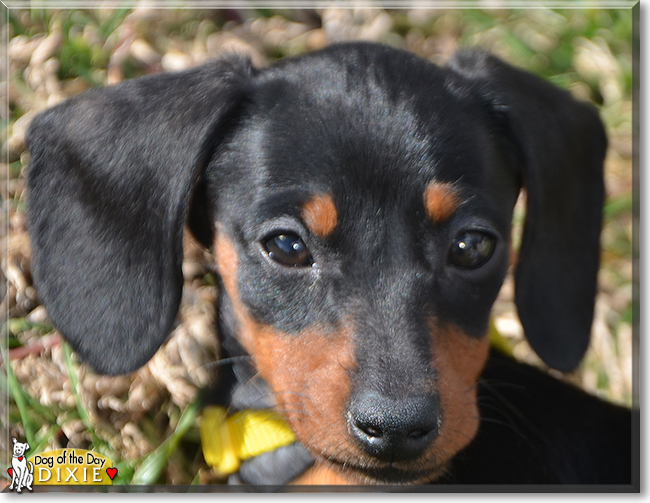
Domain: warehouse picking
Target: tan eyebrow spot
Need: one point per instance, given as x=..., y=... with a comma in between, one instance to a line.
x=440, y=201
x=320, y=215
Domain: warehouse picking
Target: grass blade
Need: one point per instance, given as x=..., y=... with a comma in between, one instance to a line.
x=17, y=392
x=154, y=463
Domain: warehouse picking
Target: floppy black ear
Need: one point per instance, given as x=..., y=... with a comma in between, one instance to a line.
x=562, y=145
x=111, y=176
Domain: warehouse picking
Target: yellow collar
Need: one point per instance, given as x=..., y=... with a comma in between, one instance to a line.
x=229, y=440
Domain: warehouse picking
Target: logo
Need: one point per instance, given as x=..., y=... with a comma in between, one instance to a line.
x=61, y=467
x=21, y=471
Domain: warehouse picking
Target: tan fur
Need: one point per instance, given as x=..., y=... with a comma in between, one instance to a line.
x=440, y=201
x=459, y=360
x=308, y=372
x=322, y=475
x=320, y=215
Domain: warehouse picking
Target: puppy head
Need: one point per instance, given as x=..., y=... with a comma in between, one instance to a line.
x=361, y=247
x=358, y=201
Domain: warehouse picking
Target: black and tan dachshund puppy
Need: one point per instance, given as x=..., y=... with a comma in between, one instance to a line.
x=359, y=202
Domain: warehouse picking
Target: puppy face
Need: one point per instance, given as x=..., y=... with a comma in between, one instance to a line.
x=360, y=252
x=358, y=201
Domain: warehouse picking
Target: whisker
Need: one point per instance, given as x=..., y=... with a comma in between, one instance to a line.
x=302, y=412
x=502, y=423
x=226, y=361
x=290, y=392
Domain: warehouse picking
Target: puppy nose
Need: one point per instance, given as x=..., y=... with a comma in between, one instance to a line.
x=394, y=429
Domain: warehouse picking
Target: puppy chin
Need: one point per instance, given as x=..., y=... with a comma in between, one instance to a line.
x=335, y=472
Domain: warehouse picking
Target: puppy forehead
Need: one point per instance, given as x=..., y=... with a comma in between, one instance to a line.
x=366, y=133
x=343, y=129
x=364, y=141
x=336, y=149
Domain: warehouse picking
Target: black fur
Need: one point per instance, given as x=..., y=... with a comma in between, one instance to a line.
x=116, y=173
x=554, y=139
x=110, y=179
x=538, y=430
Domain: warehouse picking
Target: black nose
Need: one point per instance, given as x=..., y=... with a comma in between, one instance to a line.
x=394, y=429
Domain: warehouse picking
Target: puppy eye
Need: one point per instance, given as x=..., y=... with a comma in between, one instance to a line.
x=471, y=249
x=288, y=249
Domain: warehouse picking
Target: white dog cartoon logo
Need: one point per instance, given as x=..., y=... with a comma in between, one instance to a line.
x=21, y=475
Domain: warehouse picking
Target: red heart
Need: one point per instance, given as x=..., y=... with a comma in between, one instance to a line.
x=10, y=471
x=111, y=472
x=20, y=458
